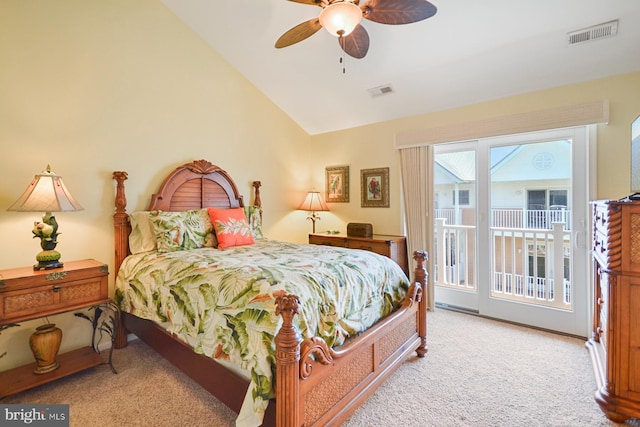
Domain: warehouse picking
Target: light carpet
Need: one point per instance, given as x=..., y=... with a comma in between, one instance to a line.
x=478, y=372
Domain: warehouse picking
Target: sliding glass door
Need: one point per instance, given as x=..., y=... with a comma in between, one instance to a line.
x=510, y=228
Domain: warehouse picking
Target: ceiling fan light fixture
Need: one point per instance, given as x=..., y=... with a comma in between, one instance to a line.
x=340, y=19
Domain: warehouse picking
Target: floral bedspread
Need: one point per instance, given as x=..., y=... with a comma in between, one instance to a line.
x=222, y=302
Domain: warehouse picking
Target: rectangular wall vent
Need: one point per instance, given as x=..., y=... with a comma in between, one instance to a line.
x=380, y=90
x=600, y=31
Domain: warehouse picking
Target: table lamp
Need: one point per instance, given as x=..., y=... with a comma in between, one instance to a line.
x=46, y=193
x=313, y=203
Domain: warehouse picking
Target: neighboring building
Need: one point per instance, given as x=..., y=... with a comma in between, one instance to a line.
x=529, y=192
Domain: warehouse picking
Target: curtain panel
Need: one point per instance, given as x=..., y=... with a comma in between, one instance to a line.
x=416, y=193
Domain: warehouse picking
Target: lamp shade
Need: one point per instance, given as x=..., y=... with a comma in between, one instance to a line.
x=46, y=193
x=313, y=203
x=340, y=19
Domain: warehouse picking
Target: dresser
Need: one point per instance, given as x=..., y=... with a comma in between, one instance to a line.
x=26, y=294
x=394, y=247
x=615, y=342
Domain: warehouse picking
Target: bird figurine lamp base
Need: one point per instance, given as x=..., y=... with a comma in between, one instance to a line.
x=47, y=231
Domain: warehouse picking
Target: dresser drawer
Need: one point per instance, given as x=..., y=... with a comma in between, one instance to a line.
x=608, y=223
x=382, y=248
x=601, y=218
x=602, y=308
x=601, y=247
x=327, y=240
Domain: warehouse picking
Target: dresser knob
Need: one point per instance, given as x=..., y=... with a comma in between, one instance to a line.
x=56, y=288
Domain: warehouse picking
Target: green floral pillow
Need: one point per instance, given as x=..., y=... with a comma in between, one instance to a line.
x=179, y=231
x=254, y=216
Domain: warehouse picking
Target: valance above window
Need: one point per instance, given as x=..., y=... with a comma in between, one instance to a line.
x=553, y=118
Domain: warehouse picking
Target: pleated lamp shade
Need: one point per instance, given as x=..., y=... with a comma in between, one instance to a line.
x=46, y=193
x=313, y=203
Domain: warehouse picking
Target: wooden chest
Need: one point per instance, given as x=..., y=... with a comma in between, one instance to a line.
x=357, y=229
x=25, y=293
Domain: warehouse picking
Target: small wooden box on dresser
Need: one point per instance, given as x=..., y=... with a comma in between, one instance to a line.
x=394, y=247
x=615, y=342
x=26, y=294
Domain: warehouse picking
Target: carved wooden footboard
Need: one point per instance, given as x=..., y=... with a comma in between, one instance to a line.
x=314, y=384
x=317, y=385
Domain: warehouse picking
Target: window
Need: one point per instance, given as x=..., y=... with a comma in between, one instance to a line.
x=463, y=197
x=558, y=199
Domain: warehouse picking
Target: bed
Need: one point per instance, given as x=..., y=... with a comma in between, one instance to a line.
x=318, y=379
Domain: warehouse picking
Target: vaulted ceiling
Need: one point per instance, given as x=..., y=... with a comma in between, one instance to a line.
x=470, y=51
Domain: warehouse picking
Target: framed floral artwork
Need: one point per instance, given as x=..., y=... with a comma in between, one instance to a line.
x=374, y=188
x=337, y=182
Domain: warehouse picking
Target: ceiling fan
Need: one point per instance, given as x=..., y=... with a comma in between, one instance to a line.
x=342, y=19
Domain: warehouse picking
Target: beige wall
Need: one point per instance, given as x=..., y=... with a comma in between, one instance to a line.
x=373, y=146
x=93, y=87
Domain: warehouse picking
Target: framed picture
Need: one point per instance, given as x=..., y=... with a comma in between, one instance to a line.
x=337, y=182
x=374, y=188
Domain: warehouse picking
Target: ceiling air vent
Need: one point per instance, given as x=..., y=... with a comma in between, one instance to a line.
x=380, y=90
x=600, y=31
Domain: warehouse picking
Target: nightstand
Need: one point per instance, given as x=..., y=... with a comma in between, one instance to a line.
x=26, y=294
x=394, y=247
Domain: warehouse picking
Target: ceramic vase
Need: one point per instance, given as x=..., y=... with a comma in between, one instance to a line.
x=45, y=343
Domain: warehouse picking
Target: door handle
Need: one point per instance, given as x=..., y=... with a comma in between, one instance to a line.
x=581, y=241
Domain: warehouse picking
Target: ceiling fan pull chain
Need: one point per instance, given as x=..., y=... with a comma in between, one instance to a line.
x=342, y=61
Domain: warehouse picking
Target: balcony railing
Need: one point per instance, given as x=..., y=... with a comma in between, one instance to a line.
x=512, y=218
x=516, y=286
x=528, y=263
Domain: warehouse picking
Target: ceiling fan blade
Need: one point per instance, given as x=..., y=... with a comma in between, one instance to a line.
x=311, y=2
x=396, y=12
x=299, y=33
x=356, y=44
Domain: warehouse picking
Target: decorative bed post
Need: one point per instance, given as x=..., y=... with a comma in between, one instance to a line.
x=420, y=275
x=288, y=357
x=122, y=230
x=256, y=191
x=121, y=219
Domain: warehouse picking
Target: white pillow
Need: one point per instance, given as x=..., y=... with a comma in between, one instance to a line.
x=142, y=237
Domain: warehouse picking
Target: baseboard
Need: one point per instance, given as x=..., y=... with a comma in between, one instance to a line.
x=464, y=310
x=456, y=308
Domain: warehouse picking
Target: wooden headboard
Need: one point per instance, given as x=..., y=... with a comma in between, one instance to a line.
x=195, y=185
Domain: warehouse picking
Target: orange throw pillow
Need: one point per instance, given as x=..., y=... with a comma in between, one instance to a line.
x=231, y=227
